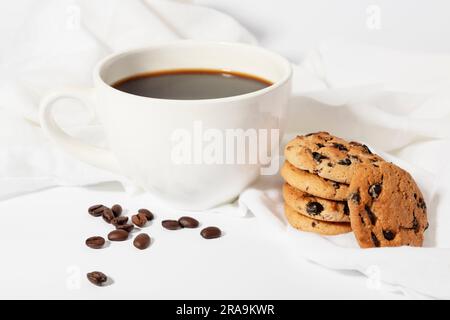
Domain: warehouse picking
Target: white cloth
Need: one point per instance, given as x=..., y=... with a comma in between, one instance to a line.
x=395, y=101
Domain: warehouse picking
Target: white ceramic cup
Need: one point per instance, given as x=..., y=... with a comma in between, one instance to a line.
x=140, y=130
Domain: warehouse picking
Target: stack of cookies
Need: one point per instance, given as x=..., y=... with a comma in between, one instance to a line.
x=334, y=187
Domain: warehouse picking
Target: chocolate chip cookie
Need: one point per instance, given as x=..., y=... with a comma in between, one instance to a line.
x=315, y=207
x=313, y=184
x=386, y=206
x=328, y=156
x=301, y=222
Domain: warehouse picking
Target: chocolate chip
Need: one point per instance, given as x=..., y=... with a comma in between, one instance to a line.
x=118, y=235
x=388, y=235
x=142, y=241
x=427, y=226
x=171, y=224
x=355, y=197
x=372, y=216
x=119, y=221
x=98, y=278
x=366, y=149
x=345, y=162
x=188, y=222
x=96, y=210
x=116, y=210
x=108, y=215
x=314, y=208
x=318, y=157
x=375, y=190
x=336, y=185
x=95, y=242
x=354, y=158
x=415, y=196
x=148, y=215
x=375, y=240
x=415, y=225
x=330, y=164
x=139, y=219
x=319, y=145
x=340, y=146
x=313, y=224
x=346, y=209
x=421, y=204
x=211, y=233
x=127, y=227
x=362, y=220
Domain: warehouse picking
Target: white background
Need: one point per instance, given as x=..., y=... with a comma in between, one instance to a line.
x=245, y=263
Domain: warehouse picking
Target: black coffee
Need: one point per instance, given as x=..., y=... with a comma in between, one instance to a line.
x=191, y=84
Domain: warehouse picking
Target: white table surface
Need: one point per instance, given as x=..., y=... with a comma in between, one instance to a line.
x=43, y=255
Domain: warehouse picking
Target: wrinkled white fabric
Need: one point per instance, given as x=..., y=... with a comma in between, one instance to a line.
x=397, y=102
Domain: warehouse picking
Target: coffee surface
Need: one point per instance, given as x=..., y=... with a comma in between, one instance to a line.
x=191, y=84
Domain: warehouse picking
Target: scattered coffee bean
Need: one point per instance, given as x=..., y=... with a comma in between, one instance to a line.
x=211, y=233
x=139, y=219
x=96, y=210
x=127, y=227
x=188, y=222
x=142, y=241
x=116, y=210
x=147, y=214
x=95, y=242
x=314, y=208
x=108, y=215
x=118, y=235
x=375, y=190
x=98, y=278
x=119, y=221
x=171, y=224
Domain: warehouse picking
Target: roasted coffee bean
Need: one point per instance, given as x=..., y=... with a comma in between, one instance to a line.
x=127, y=227
x=96, y=210
x=116, y=210
x=314, y=208
x=95, y=242
x=142, y=241
x=318, y=157
x=119, y=221
x=171, y=224
x=211, y=233
x=108, y=215
x=147, y=214
x=345, y=162
x=388, y=235
x=355, y=197
x=188, y=222
x=118, y=235
x=98, y=278
x=139, y=219
x=375, y=190
x=372, y=216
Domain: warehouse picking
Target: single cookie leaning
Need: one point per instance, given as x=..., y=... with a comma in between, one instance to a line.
x=386, y=206
x=301, y=222
x=313, y=184
x=314, y=207
x=328, y=156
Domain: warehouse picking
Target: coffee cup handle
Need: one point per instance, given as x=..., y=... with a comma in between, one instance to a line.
x=98, y=157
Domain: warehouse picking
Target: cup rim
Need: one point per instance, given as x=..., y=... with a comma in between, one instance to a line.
x=283, y=61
